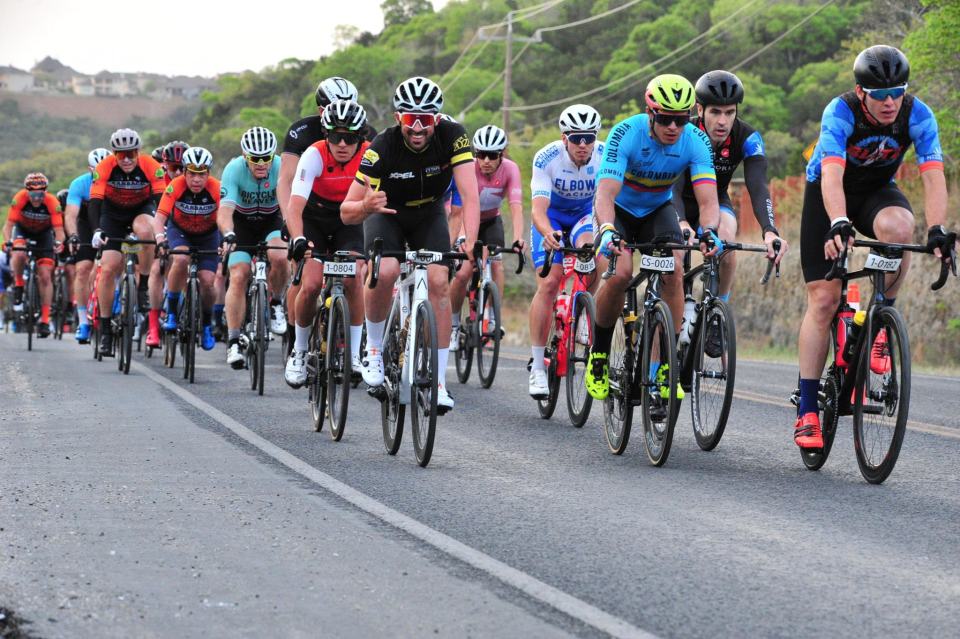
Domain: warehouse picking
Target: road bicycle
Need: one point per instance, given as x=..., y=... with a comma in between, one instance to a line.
x=189, y=329
x=409, y=352
x=28, y=318
x=61, y=307
x=571, y=334
x=125, y=312
x=870, y=372
x=481, y=328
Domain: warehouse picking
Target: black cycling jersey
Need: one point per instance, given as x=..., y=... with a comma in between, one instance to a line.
x=413, y=179
x=307, y=131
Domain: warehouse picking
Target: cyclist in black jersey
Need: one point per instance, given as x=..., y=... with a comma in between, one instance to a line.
x=398, y=196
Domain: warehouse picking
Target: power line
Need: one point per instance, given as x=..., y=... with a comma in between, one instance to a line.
x=496, y=81
x=784, y=34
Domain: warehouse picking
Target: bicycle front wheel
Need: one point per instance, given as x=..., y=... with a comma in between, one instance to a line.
x=423, y=390
x=193, y=319
x=714, y=373
x=128, y=318
x=463, y=351
x=391, y=410
x=339, y=366
x=29, y=309
x=60, y=304
x=548, y=405
x=658, y=389
x=170, y=348
x=618, y=406
x=579, y=340
x=317, y=380
x=488, y=346
x=263, y=311
x=882, y=396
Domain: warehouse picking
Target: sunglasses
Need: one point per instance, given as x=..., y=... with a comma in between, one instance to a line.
x=259, y=159
x=425, y=120
x=582, y=138
x=174, y=168
x=336, y=137
x=883, y=94
x=36, y=194
x=127, y=155
x=666, y=119
x=488, y=155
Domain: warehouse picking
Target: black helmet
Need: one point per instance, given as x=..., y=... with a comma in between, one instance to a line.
x=719, y=87
x=157, y=154
x=173, y=152
x=62, y=197
x=881, y=67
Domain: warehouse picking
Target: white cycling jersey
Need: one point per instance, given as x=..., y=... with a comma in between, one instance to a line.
x=569, y=187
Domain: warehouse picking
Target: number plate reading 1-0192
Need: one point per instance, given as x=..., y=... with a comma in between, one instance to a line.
x=654, y=263
x=341, y=269
x=880, y=263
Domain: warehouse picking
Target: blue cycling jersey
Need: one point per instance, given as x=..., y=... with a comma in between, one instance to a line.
x=648, y=169
x=79, y=194
x=253, y=199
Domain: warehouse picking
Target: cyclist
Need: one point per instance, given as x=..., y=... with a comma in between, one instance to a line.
x=6, y=279
x=173, y=160
x=76, y=223
x=157, y=154
x=35, y=215
x=498, y=179
x=646, y=153
x=562, y=187
x=127, y=186
x=249, y=213
x=324, y=174
x=398, y=195
x=864, y=135
x=69, y=263
x=191, y=202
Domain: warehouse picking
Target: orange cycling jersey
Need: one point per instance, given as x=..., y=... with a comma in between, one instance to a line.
x=193, y=213
x=330, y=180
x=127, y=190
x=35, y=219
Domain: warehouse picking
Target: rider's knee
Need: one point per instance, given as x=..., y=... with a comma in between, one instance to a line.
x=822, y=299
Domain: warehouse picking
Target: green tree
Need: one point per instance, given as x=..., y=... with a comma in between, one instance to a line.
x=402, y=11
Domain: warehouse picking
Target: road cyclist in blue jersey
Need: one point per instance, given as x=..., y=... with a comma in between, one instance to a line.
x=643, y=157
x=562, y=189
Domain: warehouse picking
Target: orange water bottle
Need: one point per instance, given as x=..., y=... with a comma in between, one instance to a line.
x=850, y=307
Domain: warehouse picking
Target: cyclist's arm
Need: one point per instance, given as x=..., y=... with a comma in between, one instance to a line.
x=225, y=217
x=514, y=191
x=308, y=169
x=678, y=187
x=935, y=189
x=541, y=186
x=456, y=221
x=288, y=169
x=834, y=199
x=70, y=218
x=926, y=138
x=7, y=230
x=755, y=179
x=466, y=177
x=516, y=215
x=166, y=205
x=607, y=191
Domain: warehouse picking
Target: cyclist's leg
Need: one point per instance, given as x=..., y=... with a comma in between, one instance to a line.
x=177, y=273
x=541, y=309
x=318, y=231
x=580, y=234
x=664, y=222
x=377, y=300
x=206, y=272
x=349, y=237
x=728, y=233
x=18, y=259
x=143, y=228
x=887, y=216
x=430, y=231
x=279, y=265
x=493, y=234
x=114, y=226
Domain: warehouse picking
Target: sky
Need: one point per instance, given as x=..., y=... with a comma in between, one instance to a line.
x=219, y=36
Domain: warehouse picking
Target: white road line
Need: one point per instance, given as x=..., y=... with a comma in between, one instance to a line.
x=527, y=584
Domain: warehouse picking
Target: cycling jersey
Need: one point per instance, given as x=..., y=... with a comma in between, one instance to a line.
x=126, y=190
x=193, y=213
x=570, y=188
x=307, y=131
x=872, y=154
x=32, y=219
x=413, y=179
x=323, y=180
x=79, y=194
x=648, y=168
x=253, y=199
x=504, y=183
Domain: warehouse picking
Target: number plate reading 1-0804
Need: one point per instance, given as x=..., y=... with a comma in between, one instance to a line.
x=880, y=263
x=342, y=269
x=653, y=263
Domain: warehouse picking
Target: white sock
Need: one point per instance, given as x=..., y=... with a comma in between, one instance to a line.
x=456, y=319
x=538, y=364
x=356, y=333
x=302, y=342
x=82, y=315
x=375, y=335
x=443, y=356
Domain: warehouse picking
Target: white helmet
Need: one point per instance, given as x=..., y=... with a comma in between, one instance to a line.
x=96, y=157
x=258, y=141
x=125, y=140
x=444, y=116
x=489, y=138
x=419, y=95
x=579, y=117
x=197, y=159
x=335, y=88
x=343, y=114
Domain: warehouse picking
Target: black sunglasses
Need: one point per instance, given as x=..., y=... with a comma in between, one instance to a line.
x=488, y=155
x=335, y=138
x=666, y=119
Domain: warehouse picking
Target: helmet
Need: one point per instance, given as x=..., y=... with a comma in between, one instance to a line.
x=157, y=154
x=418, y=94
x=96, y=157
x=62, y=197
x=36, y=182
x=490, y=138
x=197, y=159
x=881, y=67
x=343, y=114
x=579, y=117
x=335, y=88
x=669, y=92
x=444, y=116
x=125, y=140
x=719, y=87
x=258, y=141
x=174, y=151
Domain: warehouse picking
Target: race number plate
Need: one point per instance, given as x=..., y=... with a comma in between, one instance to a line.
x=341, y=269
x=653, y=263
x=131, y=248
x=584, y=267
x=424, y=257
x=880, y=263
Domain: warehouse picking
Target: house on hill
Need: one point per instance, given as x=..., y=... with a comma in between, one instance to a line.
x=14, y=79
x=52, y=75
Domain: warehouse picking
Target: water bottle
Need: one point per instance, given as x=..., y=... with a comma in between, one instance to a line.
x=858, y=320
x=689, y=319
x=846, y=315
x=563, y=304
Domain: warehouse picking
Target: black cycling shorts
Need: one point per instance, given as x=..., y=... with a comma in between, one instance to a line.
x=44, y=240
x=116, y=224
x=663, y=221
x=329, y=234
x=862, y=209
x=491, y=232
x=251, y=233
x=425, y=228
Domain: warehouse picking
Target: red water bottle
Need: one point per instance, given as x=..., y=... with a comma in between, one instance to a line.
x=850, y=308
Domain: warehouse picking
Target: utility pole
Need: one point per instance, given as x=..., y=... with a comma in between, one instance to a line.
x=508, y=62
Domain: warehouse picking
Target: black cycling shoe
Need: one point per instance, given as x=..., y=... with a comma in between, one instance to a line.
x=105, y=347
x=218, y=332
x=18, y=296
x=713, y=346
x=143, y=299
x=43, y=330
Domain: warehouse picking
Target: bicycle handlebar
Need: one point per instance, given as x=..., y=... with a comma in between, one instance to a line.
x=948, y=262
x=586, y=249
x=493, y=249
x=658, y=244
x=377, y=254
x=771, y=263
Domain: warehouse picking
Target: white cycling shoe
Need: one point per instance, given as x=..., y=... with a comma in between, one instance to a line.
x=278, y=323
x=455, y=338
x=235, y=356
x=295, y=373
x=583, y=333
x=444, y=401
x=372, y=368
x=539, y=388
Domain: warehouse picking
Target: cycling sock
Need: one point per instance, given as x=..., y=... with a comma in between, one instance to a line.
x=303, y=338
x=443, y=356
x=375, y=334
x=654, y=367
x=143, y=282
x=356, y=334
x=890, y=300
x=206, y=317
x=809, y=388
x=233, y=334
x=725, y=298
x=82, y=314
x=456, y=319
x=173, y=303
x=45, y=313
x=218, y=313
x=18, y=280
x=538, y=363
x=602, y=337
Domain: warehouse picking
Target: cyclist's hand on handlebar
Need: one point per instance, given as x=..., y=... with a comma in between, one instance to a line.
x=163, y=246
x=74, y=244
x=687, y=231
x=58, y=247
x=99, y=239
x=301, y=248
x=777, y=256
x=228, y=242
x=710, y=243
x=7, y=246
x=374, y=201
x=938, y=241
x=607, y=246
x=551, y=241
x=519, y=245
x=840, y=233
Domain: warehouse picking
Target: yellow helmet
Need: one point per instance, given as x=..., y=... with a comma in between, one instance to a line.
x=669, y=92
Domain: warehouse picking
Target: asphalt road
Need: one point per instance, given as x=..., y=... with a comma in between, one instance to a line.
x=519, y=526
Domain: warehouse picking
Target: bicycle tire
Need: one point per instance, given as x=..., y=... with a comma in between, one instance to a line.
x=95, y=340
x=423, y=390
x=29, y=312
x=339, y=366
x=463, y=356
x=59, y=301
x=713, y=377
x=318, y=386
x=129, y=320
x=488, y=342
x=659, y=413
x=261, y=334
x=250, y=326
x=169, y=348
x=877, y=443
x=548, y=405
x=618, y=406
x=194, y=319
x=391, y=410
x=579, y=401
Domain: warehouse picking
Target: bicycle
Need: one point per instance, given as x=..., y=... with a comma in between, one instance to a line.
x=189, y=315
x=30, y=315
x=570, y=335
x=409, y=357
x=878, y=400
x=124, y=317
x=329, y=360
x=480, y=330
x=61, y=307
x=648, y=337
x=708, y=368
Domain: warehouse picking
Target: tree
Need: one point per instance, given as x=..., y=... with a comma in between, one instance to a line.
x=344, y=35
x=402, y=11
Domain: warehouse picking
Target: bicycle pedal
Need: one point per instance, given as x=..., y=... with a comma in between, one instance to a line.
x=379, y=393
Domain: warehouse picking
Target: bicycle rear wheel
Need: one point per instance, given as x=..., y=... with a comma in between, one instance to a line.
x=128, y=318
x=548, y=405
x=618, y=406
x=338, y=366
x=579, y=339
x=463, y=356
x=391, y=410
x=882, y=396
x=423, y=391
x=714, y=374
x=488, y=346
x=658, y=389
